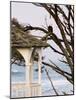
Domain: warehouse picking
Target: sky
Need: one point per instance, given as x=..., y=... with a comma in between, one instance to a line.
x=28, y=13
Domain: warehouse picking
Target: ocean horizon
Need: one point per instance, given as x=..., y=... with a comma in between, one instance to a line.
x=60, y=83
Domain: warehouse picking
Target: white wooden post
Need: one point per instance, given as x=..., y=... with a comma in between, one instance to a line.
x=28, y=73
x=39, y=65
x=26, y=53
x=31, y=72
x=39, y=72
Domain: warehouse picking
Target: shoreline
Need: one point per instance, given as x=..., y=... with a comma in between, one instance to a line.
x=45, y=82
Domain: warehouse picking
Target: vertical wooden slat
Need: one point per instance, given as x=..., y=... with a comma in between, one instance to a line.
x=22, y=90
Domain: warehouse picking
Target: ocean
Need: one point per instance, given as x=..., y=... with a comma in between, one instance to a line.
x=18, y=75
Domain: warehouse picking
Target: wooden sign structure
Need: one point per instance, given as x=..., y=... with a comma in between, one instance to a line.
x=27, y=45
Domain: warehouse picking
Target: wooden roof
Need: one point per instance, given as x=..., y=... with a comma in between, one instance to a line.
x=21, y=39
